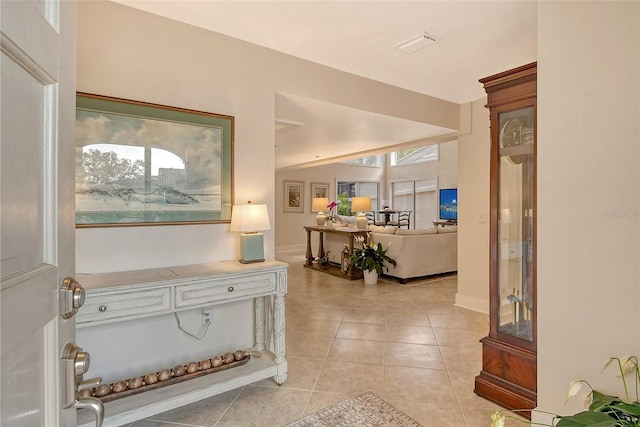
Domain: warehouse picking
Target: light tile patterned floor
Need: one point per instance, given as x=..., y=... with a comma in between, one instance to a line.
x=406, y=343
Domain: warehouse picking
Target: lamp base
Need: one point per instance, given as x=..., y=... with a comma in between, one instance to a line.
x=244, y=261
x=320, y=218
x=251, y=248
x=362, y=221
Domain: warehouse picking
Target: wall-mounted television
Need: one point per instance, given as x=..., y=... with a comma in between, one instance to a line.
x=448, y=204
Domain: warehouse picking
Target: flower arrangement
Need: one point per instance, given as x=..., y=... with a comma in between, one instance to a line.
x=332, y=211
x=602, y=410
x=371, y=257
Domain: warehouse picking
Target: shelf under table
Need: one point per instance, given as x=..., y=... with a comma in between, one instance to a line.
x=146, y=404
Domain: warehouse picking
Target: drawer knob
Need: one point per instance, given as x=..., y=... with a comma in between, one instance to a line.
x=230, y=288
x=102, y=308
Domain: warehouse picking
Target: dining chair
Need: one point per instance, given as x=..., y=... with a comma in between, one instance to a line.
x=404, y=218
x=371, y=218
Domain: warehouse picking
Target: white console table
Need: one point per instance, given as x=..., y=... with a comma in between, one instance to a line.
x=121, y=296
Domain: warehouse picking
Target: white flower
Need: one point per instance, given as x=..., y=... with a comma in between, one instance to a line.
x=608, y=362
x=629, y=366
x=497, y=420
x=574, y=388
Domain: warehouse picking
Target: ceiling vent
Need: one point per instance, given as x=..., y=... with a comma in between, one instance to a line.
x=415, y=42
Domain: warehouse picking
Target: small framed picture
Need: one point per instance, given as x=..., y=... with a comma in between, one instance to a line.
x=294, y=196
x=319, y=189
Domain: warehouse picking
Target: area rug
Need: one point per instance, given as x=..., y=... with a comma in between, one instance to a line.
x=366, y=409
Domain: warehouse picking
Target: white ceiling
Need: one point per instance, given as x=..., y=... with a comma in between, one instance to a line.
x=475, y=39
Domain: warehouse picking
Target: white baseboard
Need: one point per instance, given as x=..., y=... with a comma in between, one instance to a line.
x=291, y=248
x=471, y=303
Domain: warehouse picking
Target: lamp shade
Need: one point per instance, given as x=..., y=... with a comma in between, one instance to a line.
x=319, y=204
x=250, y=217
x=360, y=204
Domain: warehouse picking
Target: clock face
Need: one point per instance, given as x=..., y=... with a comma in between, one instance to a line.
x=511, y=133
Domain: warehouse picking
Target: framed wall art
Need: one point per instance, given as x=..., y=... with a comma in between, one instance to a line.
x=147, y=164
x=319, y=189
x=294, y=196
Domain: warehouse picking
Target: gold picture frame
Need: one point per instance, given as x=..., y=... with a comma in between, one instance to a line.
x=141, y=164
x=294, y=196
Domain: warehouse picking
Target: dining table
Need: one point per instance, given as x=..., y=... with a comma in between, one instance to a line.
x=387, y=214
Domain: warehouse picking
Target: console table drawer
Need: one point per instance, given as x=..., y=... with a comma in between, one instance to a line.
x=223, y=290
x=112, y=305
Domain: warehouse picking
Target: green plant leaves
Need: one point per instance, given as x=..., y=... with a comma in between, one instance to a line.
x=371, y=257
x=592, y=419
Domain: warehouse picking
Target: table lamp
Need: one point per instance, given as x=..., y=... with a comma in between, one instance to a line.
x=249, y=219
x=320, y=204
x=361, y=204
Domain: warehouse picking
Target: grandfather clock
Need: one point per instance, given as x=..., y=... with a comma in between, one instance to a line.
x=509, y=366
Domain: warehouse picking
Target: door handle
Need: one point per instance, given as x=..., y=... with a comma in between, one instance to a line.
x=71, y=297
x=76, y=363
x=94, y=404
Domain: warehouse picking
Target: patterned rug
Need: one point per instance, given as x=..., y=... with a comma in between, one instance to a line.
x=366, y=409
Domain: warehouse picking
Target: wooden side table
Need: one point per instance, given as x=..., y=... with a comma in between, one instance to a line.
x=349, y=234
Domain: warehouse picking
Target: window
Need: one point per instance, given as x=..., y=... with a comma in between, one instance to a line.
x=417, y=196
x=348, y=189
x=366, y=161
x=427, y=153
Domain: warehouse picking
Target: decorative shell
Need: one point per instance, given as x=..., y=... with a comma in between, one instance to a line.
x=178, y=371
x=151, y=378
x=205, y=364
x=192, y=367
x=216, y=361
x=228, y=358
x=135, y=383
x=103, y=390
x=119, y=386
x=239, y=355
x=164, y=375
x=87, y=392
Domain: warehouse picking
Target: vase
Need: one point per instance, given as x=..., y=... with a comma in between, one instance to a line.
x=370, y=277
x=328, y=224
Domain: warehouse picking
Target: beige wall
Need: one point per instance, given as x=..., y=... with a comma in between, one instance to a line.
x=290, y=235
x=473, y=222
x=130, y=54
x=588, y=194
x=588, y=275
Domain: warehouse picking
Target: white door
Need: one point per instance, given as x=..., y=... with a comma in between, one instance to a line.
x=37, y=206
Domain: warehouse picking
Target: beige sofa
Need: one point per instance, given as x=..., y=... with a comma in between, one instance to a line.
x=417, y=253
x=420, y=254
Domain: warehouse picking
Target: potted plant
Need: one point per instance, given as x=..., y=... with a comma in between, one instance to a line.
x=602, y=410
x=371, y=260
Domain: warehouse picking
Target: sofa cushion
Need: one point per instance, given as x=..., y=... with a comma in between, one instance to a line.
x=448, y=229
x=389, y=229
x=405, y=232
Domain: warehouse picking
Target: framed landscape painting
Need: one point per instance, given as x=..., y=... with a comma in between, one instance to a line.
x=293, y=196
x=147, y=164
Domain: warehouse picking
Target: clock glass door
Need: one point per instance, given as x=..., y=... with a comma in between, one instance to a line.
x=515, y=223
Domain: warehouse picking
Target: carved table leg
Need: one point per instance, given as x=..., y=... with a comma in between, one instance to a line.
x=321, y=253
x=259, y=309
x=279, y=330
x=309, y=254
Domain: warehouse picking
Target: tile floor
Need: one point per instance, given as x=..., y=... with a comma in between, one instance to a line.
x=406, y=343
